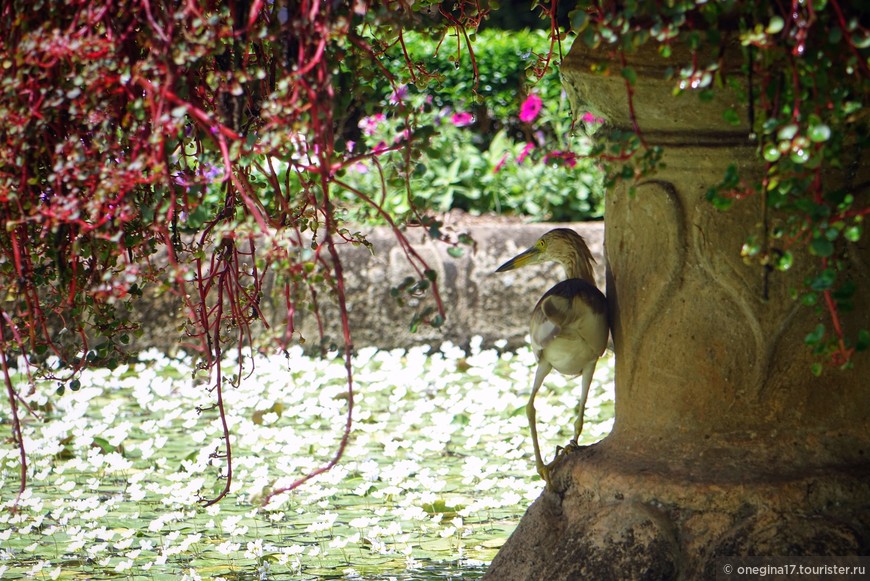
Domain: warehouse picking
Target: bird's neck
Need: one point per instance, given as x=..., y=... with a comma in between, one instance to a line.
x=579, y=266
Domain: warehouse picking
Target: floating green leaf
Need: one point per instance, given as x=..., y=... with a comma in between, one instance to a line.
x=771, y=153
x=852, y=233
x=787, y=132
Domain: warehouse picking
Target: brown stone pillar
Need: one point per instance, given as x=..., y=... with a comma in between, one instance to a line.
x=724, y=442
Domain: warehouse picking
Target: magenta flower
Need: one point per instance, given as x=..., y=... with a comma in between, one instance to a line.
x=370, y=124
x=525, y=152
x=530, y=108
x=500, y=163
x=568, y=158
x=590, y=118
x=462, y=119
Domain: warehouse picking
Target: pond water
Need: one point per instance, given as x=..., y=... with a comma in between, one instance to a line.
x=437, y=473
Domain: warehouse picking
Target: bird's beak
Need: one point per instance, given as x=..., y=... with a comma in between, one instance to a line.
x=529, y=256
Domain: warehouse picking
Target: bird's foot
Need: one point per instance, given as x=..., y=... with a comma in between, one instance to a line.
x=544, y=472
x=563, y=450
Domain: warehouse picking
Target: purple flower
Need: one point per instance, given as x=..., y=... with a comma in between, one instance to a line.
x=399, y=94
x=212, y=171
x=530, y=108
x=462, y=119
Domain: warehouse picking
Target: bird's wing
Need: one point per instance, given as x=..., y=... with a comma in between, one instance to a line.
x=562, y=308
x=548, y=318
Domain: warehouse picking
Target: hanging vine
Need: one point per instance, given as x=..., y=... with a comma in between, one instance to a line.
x=207, y=133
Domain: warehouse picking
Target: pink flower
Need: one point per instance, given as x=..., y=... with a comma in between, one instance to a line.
x=568, y=158
x=405, y=135
x=500, y=163
x=590, y=118
x=525, y=152
x=530, y=108
x=370, y=124
x=462, y=119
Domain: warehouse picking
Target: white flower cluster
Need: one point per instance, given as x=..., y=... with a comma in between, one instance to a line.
x=437, y=472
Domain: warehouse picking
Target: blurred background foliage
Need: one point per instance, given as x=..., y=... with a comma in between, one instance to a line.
x=473, y=153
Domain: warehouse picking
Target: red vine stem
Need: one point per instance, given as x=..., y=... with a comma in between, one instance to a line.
x=843, y=354
x=847, y=34
x=12, y=395
x=228, y=455
x=629, y=88
x=414, y=258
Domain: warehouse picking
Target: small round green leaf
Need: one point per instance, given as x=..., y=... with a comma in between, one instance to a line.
x=819, y=133
x=771, y=153
x=775, y=25
x=787, y=132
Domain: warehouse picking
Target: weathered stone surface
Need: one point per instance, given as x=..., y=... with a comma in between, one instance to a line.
x=724, y=443
x=612, y=514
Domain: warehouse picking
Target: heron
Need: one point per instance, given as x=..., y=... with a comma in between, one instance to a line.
x=568, y=327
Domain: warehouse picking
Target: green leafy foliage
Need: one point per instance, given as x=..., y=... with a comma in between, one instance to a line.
x=471, y=150
x=507, y=64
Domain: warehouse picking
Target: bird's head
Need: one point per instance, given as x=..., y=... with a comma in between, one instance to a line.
x=561, y=245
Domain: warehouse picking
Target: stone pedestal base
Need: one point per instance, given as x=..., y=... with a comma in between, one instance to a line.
x=616, y=515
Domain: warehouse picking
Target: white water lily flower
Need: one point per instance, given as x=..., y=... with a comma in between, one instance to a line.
x=188, y=541
x=447, y=532
x=228, y=547
x=254, y=549
x=362, y=522
x=395, y=462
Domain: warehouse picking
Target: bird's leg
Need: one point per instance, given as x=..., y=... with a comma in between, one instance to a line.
x=543, y=369
x=580, y=410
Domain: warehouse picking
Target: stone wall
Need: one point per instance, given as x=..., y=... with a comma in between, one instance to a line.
x=478, y=301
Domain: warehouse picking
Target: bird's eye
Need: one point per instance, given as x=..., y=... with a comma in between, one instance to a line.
x=541, y=244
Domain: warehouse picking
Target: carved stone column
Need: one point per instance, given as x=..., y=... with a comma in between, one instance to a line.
x=724, y=442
